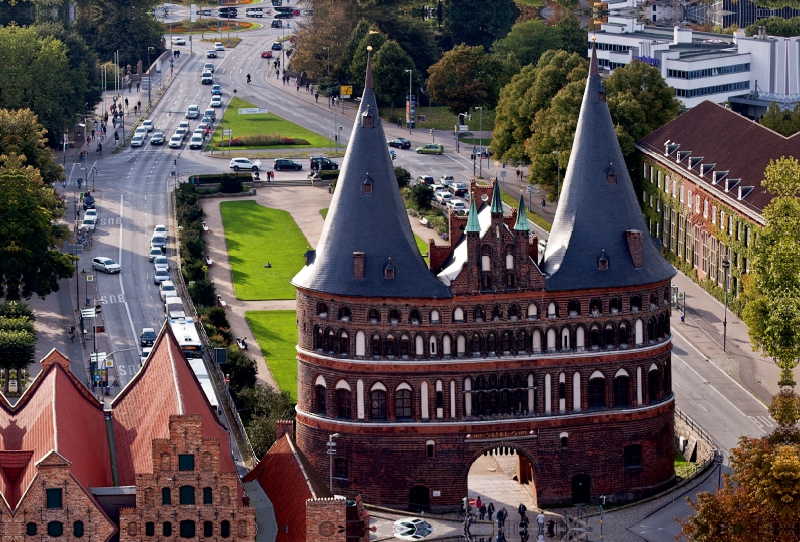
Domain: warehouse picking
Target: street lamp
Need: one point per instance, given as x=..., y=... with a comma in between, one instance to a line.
x=331, y=453
x=458, y=130
x=726, y=264
x=328, y=49
x=94, y=174
x=149, y=78
x=558, y=177
x=480, y=138
x=409, y=100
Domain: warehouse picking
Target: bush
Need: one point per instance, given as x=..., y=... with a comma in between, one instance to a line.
x=230, y=184
x=185, y=195
x=329, y=174
x=192, y=243
x=189, y=213
x=403, y=176
x=217, y=317
x=241, y=370
x=193, y=269
x=420, y=197
x=262, y=140
x=203, y=293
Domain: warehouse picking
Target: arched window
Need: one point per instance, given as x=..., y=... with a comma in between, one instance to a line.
x=435, y=317
x=479, y=314
x=461, y=345
x=208, y=528
x=506, y=342
x=343, y=403
x=497, y=313
x=322, y=310
x=574, y=308
x=361, y=346
x=595, y=307
x=636, y=304
x=331, y=340
x=653, y=386
x=533, y=311
x=433, y=351
x=580, y=339
x=610, y=336
x=319, y=338
x=551, y=340
x=447, y=345
x=394, y=316
x=651, y=330
x=621, y=392
x=77, y=529
x=458, y=315
x=322, y=399
x=389, y=346
x=565, y=338
x=55, y=529
x=414, y=317
x=522, y=342
x=536, y=340
x=597, y=391
x=378, y=403
x=402, y=399
x=225, y=528
x=208, y=495
x=552, y=310
x=374, y=316
x=344, y=314
x=405, y=345
x=166, y=496
x=509, y=261
x=419, y=345
x=376, y=346
x=615, y=305
x=653, y=301
x=476, y=344
x=187, y=528
x=594, y=337
x=166, y=528
x=623, y=335
x=639, y=333
x=491, y=344
x=30, y=529
x=344, y=344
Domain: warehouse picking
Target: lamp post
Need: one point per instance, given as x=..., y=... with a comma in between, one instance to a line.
x=558, y=177
x=149, y=78
x=409, y=100
x=480, y=138
x=94, y=174
x=331, y=453
x=458, y=130
x=726, y=264
x=328, y=49
x=602, y=503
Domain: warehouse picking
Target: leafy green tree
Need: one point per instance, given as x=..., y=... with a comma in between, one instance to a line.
x=573, y=37
x=403, y=176
x=17, y=339
x=29, y=233
x=785, y=122
x=477, y=22
x=16, y=309
x=203, y=293
x=421, y=195
x=389, y=73
x=358, y=67
x=776, y=26
x=415, y=37
x=773, y=316
x=22, y=135
x=528, y=41
x=465, y=77
x=240, y=369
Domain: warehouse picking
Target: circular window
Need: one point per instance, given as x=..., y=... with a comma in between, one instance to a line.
x=326, y=528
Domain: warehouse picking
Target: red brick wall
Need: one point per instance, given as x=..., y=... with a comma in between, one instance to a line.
x=324, y=517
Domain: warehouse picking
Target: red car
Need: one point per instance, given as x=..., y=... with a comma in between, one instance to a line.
x=296, y=12
x=266, y=54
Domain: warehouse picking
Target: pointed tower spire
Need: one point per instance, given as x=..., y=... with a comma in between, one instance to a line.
x=593, y=68
x=473, y=226
x=522, y=216
x=368, y=78
x=497, y=201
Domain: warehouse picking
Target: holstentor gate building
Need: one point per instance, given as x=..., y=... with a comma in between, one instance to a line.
x=562, y=357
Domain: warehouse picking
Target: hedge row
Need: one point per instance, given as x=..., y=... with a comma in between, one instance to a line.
x=261, y=140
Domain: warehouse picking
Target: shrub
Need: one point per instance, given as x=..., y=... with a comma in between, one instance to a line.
x=241, y=370
x=420, y=197
x=193, y=269
x=329, y=174
x=230, y=184
x=216, y=317
x=189, y=213
x=403, y=176
x=262, y=140
x=185, y=195
x=192, y=243
x=203, y=293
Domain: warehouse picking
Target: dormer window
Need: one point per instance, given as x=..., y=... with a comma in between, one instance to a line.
x=389, y=270
x=366, y=186
x=611, y=174
x=602, y=262
x=367, y=120
x=601, y=95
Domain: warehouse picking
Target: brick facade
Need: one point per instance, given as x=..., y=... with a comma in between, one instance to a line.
x=186, y=495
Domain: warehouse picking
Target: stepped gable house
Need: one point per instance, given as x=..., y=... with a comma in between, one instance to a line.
x=562, y=358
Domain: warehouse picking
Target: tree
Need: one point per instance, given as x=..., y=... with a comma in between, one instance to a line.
x=17, y=340
x=573, y=37
x=358, y=67
x=403, y=176
x=389, y=73
x=773, y=316
x=22, y=135
x=776, y=26
x=261, y=407
x=477, y=22
x=29, y=233
x=240, y=369
x=465, y=77
x=528, y=41
x=421, y=195
x=785, y=122
x=203, y=293
x=415, y=37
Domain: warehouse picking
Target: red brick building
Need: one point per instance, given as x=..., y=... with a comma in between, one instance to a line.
x=70, y=469
x=562, y=357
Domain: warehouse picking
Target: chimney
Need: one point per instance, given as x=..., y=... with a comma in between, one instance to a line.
x=634, y=238
x=358, y=265
x=284, y=427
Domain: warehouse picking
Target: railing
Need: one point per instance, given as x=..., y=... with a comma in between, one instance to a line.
x=218, y=377
x=696, y=428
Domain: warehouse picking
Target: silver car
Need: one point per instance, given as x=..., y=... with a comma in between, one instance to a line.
x=161, y=262
x=160, y=276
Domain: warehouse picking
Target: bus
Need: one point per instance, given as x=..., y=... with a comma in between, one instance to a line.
x=199, y=369
x=284, y=9
x=188, y=338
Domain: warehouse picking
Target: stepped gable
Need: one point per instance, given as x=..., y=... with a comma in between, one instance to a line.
x=56, y=414
x=599, y=234
x=367, y=238
x=164, y=386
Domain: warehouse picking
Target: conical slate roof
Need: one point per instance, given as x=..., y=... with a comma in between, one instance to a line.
x=597, y=207
x=367, y=216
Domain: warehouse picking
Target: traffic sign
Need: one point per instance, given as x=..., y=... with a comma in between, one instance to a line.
x=503, y=174
x=109, y=363
x=346, y=91
x=89, y=278
x=472, y=502
x=227, y=132
x=97, y=377
x=75, y=250
x=99, y=357
x=88, y=313
x=529, y=189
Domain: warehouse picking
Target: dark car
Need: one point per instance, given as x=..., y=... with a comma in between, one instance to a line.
x=148, y=336
x=400, y=143
x=157, y=138
x=317, y=163
x=276, y=46
x=277, y=23
x=284, y=163
x=88, y=202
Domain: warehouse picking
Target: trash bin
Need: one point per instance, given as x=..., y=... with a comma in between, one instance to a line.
x=254, y=191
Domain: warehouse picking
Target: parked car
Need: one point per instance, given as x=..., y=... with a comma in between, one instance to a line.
x=284, y=163
x=147, y=337
x=244, y=163
x=456, y=205
x=157, y=138
x=400, y=143
x=458, y=189
x=317, y=163
x=89, y=223
x=148, y=124
x=218, y=46
x=192, y=112
x=90, y=213
x=211, y=54
x=137, y=140
x=175, y=141
x=431, y=148
x=167, y=289
x=161, y=262
x=145, y=353
x=107, y=265
x=425, y=179
x=160, y=276
x=177, y=40
x=155, y=252
x=88, y=202
x=216, y=90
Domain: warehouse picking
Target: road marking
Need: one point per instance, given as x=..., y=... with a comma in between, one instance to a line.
x=119, y=259
x=715, y=389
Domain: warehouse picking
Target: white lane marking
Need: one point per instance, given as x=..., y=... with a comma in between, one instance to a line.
x=119, y=259
x=710, y=385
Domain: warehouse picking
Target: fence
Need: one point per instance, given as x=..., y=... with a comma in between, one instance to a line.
x=695, y=427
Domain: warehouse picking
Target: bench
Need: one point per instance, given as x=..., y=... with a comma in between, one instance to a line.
x=205, y=228
x=221, y=302
x=209, y=261
x=424, y=222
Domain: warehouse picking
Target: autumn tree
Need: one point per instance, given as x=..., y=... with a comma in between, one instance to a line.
x=22, y=135
x=465, y=77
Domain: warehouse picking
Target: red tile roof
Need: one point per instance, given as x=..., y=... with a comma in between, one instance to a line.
x=165, y=385
x=729, y=140
x=289, y=480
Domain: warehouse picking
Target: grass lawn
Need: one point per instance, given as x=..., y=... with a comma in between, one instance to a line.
x=683, y=468
x=510, y=200
x=244, y=125
x=256, y=235
x=324, y=213
x=440, y=118
x=276, y=333
x=422, y=246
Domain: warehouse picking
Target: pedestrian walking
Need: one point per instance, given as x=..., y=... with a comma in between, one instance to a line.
x=126, y=102
x=524, y=524
x=522, y=509
x=100, y=149
x=93, y=134
x=88, y=139
x=139, y=103
x=138, y=86
x=479, y=502
x=482, y=512
x=519, y=174
x=400, y=123
x=540, y=521
x=490, y=510
x=543, y=203
x=316, y=97
x=129, y=86
x=72, y=333
x=298, y=87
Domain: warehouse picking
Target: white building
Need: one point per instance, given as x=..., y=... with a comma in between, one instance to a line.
x=748, y=72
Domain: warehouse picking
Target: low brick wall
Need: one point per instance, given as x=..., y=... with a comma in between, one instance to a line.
x=694, y=443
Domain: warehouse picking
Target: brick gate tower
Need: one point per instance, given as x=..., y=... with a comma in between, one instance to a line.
x=561, y=357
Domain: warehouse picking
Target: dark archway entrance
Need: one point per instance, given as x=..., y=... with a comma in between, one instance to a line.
x=419, y=499
x=581, y=489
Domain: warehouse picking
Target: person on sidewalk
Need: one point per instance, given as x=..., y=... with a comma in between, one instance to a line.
x=540, y=521
x=479, y=502
x=316, y=97
x=522, y=509
x=544, y=202
x=524, y=524
x=399, y=123
x=138, y=86
x=490, y=510
x=482, y=512
x=100, y=149
x=93, y=133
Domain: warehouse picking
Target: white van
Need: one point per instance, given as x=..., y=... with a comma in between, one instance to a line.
x=254, y=12
x=196, y=142
x=173, y=308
